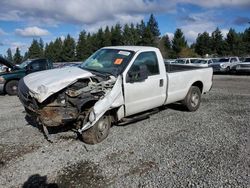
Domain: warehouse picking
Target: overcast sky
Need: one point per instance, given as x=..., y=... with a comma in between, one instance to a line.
x=23, y=20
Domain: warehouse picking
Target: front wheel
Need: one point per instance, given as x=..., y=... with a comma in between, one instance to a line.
x=98, y=132
x=193, y=99
x=11, y=87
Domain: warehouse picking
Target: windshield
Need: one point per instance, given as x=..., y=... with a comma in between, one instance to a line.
x=224, y=60
x=109, y=61
x=180, y=61
x=24, y=64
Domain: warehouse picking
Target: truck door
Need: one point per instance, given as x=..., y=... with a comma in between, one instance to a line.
x=146, y=93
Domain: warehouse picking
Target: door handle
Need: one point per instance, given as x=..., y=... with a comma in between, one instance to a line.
x=161, y=83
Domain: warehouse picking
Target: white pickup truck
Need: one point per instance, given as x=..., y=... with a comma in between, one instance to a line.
x=112, y=86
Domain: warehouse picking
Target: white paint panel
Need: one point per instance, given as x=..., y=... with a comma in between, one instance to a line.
x=180, y=82
x=45, y=83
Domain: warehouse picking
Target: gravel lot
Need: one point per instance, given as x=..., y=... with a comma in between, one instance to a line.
x=173, y=148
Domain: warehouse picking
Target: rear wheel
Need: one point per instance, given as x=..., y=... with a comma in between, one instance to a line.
x=11, y=87
x=98, y=132
x=193, y=99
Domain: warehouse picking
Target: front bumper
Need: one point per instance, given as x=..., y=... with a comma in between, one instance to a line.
x=50, y=116
x=2, y=88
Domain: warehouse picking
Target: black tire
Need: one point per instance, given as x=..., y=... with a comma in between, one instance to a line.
x=11, y=87
x=193, y=99
x=228, y=69
x=98, y=132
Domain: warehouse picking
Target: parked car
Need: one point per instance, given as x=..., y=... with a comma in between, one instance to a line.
x=186, y=61
x=242, y=67
x=112, y=86
x=225, y=64
x=203, y=62
x=12, y=74
x=169, y=61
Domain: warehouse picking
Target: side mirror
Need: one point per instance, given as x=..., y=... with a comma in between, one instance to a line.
x=137, y=74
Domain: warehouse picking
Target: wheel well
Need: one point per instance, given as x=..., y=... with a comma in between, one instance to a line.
x=88, y=104
x=198, y=84
x=4, y=88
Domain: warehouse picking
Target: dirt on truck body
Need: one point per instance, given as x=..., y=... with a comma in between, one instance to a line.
x=73, y=104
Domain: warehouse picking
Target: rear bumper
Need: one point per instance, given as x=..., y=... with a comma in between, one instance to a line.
x=219, y=70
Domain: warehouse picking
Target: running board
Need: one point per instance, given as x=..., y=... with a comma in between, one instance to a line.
x=138, y=117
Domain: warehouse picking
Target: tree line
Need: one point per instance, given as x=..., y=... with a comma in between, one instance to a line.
x=146, y=34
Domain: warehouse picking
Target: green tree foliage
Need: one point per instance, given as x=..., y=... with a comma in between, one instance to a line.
x=153, y=26
x=17, y=57
x=233, y=42
x=36, y=49
x=148, y=39
x=9, y=55
x=68, y=49
x=178, y=42
x=203, y=44
x=246, y=41
x=141, y=34
x=107, y=37
x=128, y=35
x=217, y=42
x=116, y=33
x=164, y=45
x=81, y=46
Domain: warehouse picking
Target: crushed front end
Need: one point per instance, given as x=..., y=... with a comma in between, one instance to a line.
x=69, y=104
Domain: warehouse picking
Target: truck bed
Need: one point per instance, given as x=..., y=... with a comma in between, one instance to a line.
x=178, y=68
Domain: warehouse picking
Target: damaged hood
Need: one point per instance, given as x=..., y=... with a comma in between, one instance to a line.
x=45, y=83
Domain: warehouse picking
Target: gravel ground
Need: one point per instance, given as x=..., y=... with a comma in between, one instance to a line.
x=173, y=148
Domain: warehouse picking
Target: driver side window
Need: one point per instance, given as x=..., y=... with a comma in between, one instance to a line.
x=147, y=60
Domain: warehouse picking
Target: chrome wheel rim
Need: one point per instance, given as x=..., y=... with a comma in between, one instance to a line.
x=195, y=99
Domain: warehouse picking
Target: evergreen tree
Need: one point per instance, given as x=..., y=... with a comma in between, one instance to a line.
x=127, y=35
x=218, y=44
x=17, y=57
x=57, y=48
x=165, y=46
x=49, y=52
x=41, y=45
x=246, y=41
x=141, y=30
x=90, y=45
x=153, y=26
x=35, y=50
x=9, y=55
x=81, y=46
x=107, y=37
x=148, y=38
x=68, y=49
x=233, y=43
x=203, y=44
x=135, y=35
x=100, y=38
x=116, y=35
x=178, y=42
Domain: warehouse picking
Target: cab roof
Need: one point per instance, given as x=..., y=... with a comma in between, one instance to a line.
x=132, y=48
